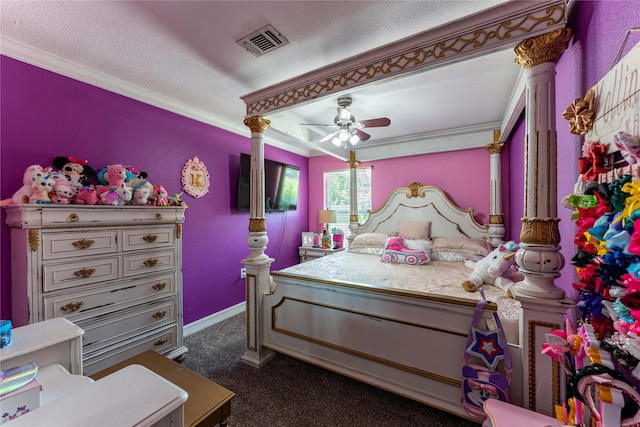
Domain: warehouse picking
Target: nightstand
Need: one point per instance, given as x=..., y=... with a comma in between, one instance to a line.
x=307, y=253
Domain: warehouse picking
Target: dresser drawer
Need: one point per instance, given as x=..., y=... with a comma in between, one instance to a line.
x=148, y=238
x=79, y=273
x=78, y=215
x=123, y=324
x=162, y=341
x=106, y=299
x=78, y=244
x=144, y=263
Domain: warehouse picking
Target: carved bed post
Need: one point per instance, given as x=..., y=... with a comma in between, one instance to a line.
x=496, y=216
x=353, y=195
x=543, y=304
x=539, y=256
x=258, y=264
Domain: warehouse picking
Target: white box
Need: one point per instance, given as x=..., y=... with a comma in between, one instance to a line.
x=19, y=402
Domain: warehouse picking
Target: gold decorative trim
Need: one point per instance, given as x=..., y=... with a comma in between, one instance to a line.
x=495, y=148
x=353, y=163
x=178, y=231
x=257, y=123
x=409, y=58
x=414, y=190
x=257, y=225
x=533, y=351
x=496, y=219
x=540, y=231
x=545, y=48
x=252, y=340
x=580, y=114
x=353, y=218
x=34, y=239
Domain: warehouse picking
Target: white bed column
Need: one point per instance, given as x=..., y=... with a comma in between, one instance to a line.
x=539, y=257
x=353, y=195
x=496, y=216
x=258, y=264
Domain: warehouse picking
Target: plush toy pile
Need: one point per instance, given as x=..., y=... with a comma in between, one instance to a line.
x=72, y=181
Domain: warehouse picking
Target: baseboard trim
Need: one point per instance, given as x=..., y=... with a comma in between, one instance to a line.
x=212, y=319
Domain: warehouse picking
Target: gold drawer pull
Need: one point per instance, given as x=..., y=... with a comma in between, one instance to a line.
x=158, y=216
x=160, y=314
x=159, y=286
x=150, y=238
x=72, y=306
x=74, y=217
x=83, y=244
x=84, y=273
x=161, y=341
x=151, y=262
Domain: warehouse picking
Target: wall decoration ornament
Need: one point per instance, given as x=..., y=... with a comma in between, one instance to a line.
x=195, y=178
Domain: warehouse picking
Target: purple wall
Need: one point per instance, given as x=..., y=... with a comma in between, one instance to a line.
x=45, y=115
x=590, y=55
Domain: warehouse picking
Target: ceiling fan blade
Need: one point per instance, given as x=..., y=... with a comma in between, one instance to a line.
x=362, y=135
x=328, y=137
x=316, y=124
x=376, y=123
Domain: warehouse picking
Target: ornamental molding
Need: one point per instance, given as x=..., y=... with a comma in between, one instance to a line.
x=500, y=27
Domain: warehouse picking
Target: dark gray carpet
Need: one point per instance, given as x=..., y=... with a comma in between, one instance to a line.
x=287, y=392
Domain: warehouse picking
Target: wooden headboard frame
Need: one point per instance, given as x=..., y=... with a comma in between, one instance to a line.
x=418, y=202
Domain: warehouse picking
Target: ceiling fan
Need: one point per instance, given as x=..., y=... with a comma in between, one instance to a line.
x=349, y=130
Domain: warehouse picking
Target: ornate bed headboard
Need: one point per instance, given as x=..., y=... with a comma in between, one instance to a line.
x=419, y=202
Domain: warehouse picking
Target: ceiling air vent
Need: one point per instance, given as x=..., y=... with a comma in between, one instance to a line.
x=262, y=41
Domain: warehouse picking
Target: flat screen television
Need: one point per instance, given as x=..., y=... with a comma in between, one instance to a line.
x=281, y=184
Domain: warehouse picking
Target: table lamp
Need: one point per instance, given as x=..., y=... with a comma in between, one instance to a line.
x=327, y=217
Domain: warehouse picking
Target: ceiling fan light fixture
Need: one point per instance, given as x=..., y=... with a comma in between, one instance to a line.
x=343, y=135
x=336, y=141
x=354, y=139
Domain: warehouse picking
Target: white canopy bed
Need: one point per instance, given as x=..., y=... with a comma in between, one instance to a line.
x=411, y=340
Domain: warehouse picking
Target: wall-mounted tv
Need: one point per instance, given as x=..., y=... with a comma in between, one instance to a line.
x=281, y=184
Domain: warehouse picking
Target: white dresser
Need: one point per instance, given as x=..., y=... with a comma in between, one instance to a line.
x=115, y=271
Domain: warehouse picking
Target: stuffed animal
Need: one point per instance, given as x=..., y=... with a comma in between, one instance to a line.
x=75, y=170
x=160, y=196
x=498, y=268
x=86, y=196
x=24, y=193
x=176, y=200
x=141, y=192
x=117, y=196
x=63, y=193
x=41, y=186
x=114, y=176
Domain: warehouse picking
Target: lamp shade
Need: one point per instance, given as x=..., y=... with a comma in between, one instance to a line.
x=326, y=216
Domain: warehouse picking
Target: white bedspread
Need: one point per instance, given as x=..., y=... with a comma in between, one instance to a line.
x=436, y=277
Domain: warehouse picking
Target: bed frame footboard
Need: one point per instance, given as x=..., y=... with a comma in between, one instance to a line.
x=373, y=335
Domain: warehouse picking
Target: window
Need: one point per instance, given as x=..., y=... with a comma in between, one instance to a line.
x=336, y=195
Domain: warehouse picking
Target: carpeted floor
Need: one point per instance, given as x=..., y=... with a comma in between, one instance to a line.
x=287, y=392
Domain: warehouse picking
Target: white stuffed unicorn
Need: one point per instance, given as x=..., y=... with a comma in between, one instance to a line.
x=498, y=268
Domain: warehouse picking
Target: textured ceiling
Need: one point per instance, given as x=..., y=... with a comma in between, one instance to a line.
x=183, y=56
